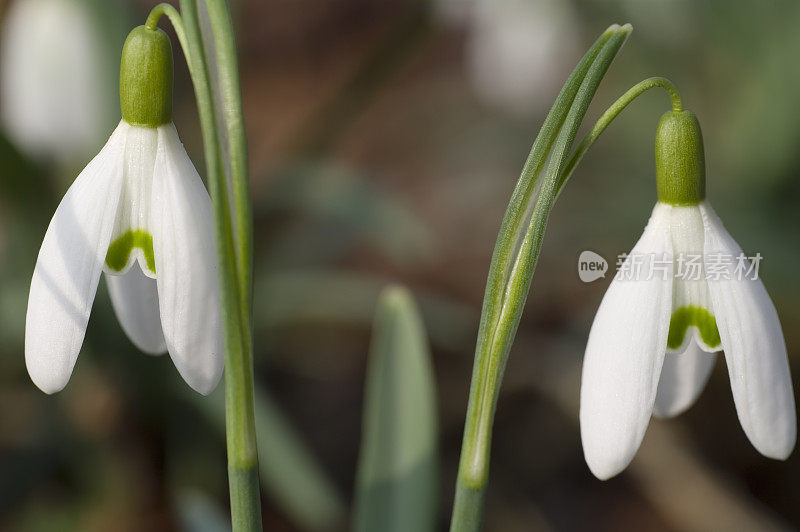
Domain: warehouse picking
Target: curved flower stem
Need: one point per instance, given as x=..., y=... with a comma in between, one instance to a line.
x=174, y=17
x=511, y=271
x=234, y=275
x=612, y=112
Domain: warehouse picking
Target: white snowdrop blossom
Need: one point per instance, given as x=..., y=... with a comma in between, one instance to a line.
x=140, y=214
x=54, y=100
x=652, y=345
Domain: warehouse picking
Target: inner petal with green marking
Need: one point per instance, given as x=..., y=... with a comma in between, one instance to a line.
x=119, y=252
x=692, y=316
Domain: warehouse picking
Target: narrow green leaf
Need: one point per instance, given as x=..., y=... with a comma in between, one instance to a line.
x=397, y=482
x=511, y=271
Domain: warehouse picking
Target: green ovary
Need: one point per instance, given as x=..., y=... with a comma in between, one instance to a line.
x=120, y=250
x=688, y=316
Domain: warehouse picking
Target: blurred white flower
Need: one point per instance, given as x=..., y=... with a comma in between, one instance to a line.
x=54, y=94
x=519, y=51
x=454, y=11
x=652, y=343
x=671, y=23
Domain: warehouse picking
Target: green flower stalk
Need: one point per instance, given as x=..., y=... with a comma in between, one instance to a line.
x=233, y=233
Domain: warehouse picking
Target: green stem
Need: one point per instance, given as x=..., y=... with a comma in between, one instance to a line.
x=239, y=413
x=511, y=271
x=611, y=113
x=233, y=116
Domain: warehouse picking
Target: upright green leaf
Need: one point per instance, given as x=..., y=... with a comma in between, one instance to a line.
x=511, y=270
x=397, y=482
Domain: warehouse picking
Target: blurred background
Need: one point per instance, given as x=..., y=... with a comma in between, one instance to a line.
x=385, y=139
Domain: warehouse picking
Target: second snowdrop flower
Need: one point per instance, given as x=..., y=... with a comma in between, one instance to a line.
x=653, y=342
x=140, y=214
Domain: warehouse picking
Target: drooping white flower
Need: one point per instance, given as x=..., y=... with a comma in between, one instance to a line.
x=140, y=214
x=53, y=100
x=651, y=347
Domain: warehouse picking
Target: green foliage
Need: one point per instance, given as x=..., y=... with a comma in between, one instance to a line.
x=290, y=473
x=396, y=486
x=513, y=264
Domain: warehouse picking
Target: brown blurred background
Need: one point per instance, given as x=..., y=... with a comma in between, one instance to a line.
x=385, y=139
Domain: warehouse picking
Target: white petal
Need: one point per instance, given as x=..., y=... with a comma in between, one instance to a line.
x=754, y=347
x=624, y=355
x=186, y=267
x=683, y=378
x=134, y=297
x=69, y=265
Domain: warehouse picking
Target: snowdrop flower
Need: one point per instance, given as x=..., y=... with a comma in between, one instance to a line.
x=54, y=100
x=139, y=213
x=653, y=342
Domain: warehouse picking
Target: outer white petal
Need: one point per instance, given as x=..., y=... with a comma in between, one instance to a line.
x=624, y=355
x=134, y=297
x=183, y=242
x=755, y=350
x=683, y=378
x=69, y=265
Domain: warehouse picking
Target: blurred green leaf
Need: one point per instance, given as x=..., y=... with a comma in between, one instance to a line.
x=348, y=298
x=397, y=478
x=290, y=474
x=345, y=208
x=200, y=513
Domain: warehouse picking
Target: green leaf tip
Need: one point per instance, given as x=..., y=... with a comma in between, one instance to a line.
x=397, y=480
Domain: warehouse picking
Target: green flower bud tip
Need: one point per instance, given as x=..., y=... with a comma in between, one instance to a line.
x=145, y=78
x=680, y=159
